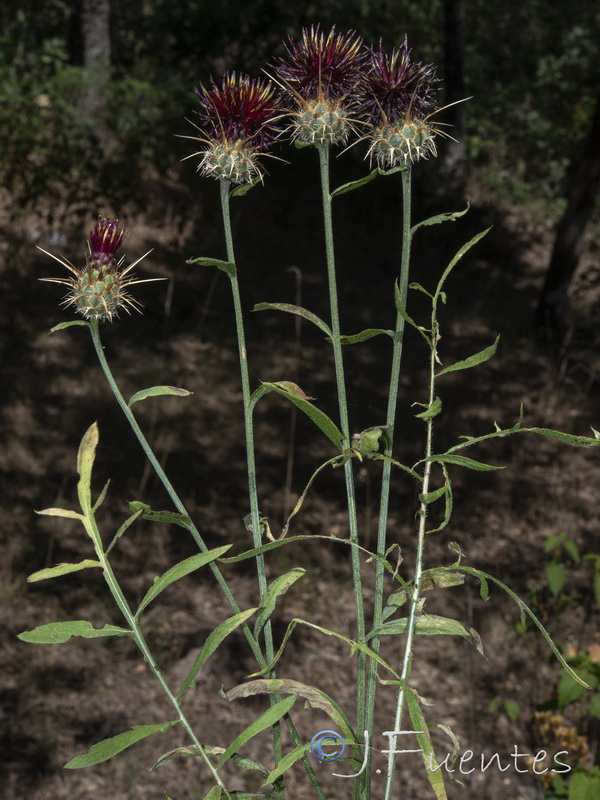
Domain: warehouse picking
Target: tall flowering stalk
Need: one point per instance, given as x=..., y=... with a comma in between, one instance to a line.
x=320, y=74
x=395, y=98
x=239, y=120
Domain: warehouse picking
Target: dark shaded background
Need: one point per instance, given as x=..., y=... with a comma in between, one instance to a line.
x=534, y=84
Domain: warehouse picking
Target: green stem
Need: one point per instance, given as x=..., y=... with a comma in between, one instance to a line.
x=123, y=605
x=345, y=428
x=387, y=465
x=222, y=583
x=416, y=593
x=250, y=453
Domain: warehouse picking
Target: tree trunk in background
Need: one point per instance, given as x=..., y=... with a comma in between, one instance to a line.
x=581, y=195
x=453, y=158
x=95, y=34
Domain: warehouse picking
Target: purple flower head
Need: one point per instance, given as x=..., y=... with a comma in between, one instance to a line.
x=396, y=86
x=242, y=109
x=327, y=68
x=105, y=239
x=98, y=290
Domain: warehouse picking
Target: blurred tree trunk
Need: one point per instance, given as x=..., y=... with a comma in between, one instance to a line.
x=95, y=35
x=581, y=194
x=453, y=158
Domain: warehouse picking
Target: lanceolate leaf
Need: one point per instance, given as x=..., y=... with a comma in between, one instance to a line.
x=279, y=586
x=431, y=412
x=368, y=333
x=213, y=640
x=179, y=571
x=61, y=569
x=61, y=512
x=286, y=762
x=85, y=463
x=565, y=438
x=315, y=698
x=298, y=310
x=472, y=361
x=524, y=608
x=224, y=266
x=464, y=249
x=244, y=188
x=59, y=632
x=430, y=625
x=62, y=325
x=447, y=216
x=463, y=461
x=348, y=187
x=403, y=313
x=295, y=395
x=266, y=720
x=157, y=391
x=108, y=748
x=432, y=767
x=168, y=517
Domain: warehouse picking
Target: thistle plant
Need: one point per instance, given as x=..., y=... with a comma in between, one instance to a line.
x=327, y=89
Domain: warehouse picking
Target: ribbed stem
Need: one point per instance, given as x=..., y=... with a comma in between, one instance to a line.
x=250, y=454
x=416, y=593
x=345, y=428
x=387, y=465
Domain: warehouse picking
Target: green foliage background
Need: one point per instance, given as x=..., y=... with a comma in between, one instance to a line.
x=531, y=68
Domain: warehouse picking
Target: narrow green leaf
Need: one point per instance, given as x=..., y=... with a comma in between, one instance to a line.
x=447, y=216
x=368, y=333
x=298, y=311
x=461, y=252
x=212, y=642
x=63, y=325
x=419, y=288
x=61, y=569
x=430, y=625
x=124, y=527
x=168, y=517
x=101, y=497
x=432, y=766
x=463, y=461
x=440, y=578
x=472, y=361
x=224, y=266
x=244, y=188
x=61, y=512
x=59, y=632
x=431, y=412
x=158, y=391
x=286, y=762
x=279, y=586
x=179, y=571
x=565, y=438
x=266, y=720
x=431, y=497
x=403, y=313
x=296, y=396
x=354, y=645
x=315, y=698
x=348, y=187
x=85, y=463
x=524, y=609
x=108, y=748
